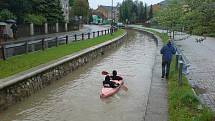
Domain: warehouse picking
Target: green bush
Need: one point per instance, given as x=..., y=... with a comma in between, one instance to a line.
x=36, y=19
x=6, y=14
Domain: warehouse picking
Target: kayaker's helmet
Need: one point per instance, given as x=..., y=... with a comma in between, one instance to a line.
x=114, y=72
x=107, y=78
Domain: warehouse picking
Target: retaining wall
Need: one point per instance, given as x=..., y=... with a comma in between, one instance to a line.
x=22, y=85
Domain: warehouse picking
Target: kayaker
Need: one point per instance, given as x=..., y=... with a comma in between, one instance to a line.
x=108, y=83
x=115, y=77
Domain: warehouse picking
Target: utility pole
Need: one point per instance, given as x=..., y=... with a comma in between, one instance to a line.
x=112, y=18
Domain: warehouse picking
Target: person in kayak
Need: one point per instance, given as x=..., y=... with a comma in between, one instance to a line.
x=115, y=77
x=108, y=83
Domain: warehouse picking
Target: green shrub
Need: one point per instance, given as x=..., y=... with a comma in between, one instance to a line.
x=5, y=14
x=36, y=19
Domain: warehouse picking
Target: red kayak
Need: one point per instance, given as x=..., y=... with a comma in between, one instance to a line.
x=108, y=91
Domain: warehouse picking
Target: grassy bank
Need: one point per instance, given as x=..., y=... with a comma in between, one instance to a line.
x=182, y=103
x=21, y=63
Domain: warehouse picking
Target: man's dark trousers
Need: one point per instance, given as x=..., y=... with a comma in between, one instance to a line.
x=165, y=68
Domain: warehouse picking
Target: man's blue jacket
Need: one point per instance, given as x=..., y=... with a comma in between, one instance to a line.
x=167, y=51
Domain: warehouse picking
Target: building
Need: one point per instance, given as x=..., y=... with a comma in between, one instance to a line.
x=65, y=9
x=106, y=12
x=156, y=8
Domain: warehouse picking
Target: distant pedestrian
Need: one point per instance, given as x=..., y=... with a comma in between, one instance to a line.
x=14, y=30
x=167, y=52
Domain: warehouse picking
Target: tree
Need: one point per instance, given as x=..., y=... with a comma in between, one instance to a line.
x=132, y=11
x=200, y=17
x=71, y=3
x=81, y=8
x=145, y=13
x=171, y=17
x=6, y=14
x=50, y=9
x=19, y=8
x=36, y=19
x=151, y=12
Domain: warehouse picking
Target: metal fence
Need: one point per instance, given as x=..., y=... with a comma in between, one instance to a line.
x=182, y=64
x=9, y=49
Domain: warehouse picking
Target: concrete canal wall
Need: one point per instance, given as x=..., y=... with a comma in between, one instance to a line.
x=16, y=88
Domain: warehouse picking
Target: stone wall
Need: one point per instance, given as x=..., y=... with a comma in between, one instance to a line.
x=17, y=89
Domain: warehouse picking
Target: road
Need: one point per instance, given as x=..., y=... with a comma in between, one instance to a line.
x=202, y=70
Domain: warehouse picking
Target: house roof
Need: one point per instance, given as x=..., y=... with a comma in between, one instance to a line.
x=108, y=8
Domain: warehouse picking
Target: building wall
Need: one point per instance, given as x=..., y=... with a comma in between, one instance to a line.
x=107, y=12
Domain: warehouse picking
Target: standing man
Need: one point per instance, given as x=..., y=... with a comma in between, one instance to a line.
x=14, y=30
x=167, y=52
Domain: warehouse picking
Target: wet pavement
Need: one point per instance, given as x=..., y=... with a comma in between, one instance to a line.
x=202, y=70
x=76, y=96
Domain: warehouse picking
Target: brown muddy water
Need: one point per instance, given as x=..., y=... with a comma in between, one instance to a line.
x=76, y=96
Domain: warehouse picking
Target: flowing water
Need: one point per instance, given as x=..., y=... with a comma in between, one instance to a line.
x=76, y=96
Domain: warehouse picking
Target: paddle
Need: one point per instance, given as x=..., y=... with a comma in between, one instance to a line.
x=125, y=88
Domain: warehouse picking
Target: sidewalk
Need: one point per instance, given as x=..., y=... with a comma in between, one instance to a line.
x=157, y=108
x=157, y=105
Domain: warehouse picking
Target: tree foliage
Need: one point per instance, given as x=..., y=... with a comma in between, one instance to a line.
x=196, y=16
x=6, y=14
x=81, y=8
x=171, y=16
x=36, y=19
x=133, y=11
x=51, y=10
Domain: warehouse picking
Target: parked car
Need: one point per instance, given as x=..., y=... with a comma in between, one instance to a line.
x=120, y=25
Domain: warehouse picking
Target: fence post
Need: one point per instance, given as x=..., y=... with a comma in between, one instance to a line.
x=88, y=35
x=66, y=26
x=57, y=27
x=93, y=34
x=102, y=32
x=26, y=47
x=75, y=37
x=180, y=73
x=56, y=41
x=176, y=63
x=105, y=32
x=98, y=33
x=3, y=52
x=43, y=44
x=67, y=39
x=46, y=28
x=31, y=29
x=82, y=36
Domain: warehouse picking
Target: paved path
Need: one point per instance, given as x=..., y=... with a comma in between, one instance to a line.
x=157, y=108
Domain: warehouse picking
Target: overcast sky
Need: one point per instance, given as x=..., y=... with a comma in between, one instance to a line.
x=94, y=3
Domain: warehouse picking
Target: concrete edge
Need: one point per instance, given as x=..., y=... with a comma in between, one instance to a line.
x=8, y=81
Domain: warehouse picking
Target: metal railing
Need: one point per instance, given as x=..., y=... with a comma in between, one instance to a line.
x=182, y=64
x=9, y=49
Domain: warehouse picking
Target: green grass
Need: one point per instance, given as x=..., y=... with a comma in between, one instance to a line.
x=23, y=62
x=182, y=103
